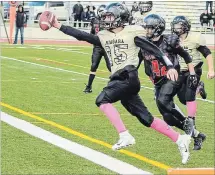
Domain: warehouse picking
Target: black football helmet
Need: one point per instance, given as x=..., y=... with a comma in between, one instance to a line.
x=157, y=25
x=145, y=6
x=184, y=25
x=115, y=15
x=100, y=10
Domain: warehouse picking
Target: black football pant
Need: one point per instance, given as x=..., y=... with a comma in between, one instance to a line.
x=187, y=94
x=124, y=86
x=97, y=54
x=165, y=92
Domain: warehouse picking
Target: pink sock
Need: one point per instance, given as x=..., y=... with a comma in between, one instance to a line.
x=113, y=116
x=191, y=108
x=162, y=127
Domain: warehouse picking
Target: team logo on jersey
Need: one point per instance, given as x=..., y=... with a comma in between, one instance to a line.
x=114, y=41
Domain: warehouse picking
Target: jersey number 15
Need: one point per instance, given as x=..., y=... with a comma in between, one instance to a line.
x=118, y=55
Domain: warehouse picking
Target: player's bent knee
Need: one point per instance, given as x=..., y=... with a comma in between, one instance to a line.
x=182, y=100
x=190, y=97
x=168, y=119
x=146, y=119
x=162, y=103
x=102, y=99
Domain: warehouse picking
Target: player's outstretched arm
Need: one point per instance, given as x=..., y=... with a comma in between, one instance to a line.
x=144, y=44
x=78, y=34
x=153, y=49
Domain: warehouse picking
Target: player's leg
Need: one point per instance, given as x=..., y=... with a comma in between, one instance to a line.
x=165, y=102
x=136, y=107
x=201, y=90
x=96, y=58
x=168, y=117
x=107, y=61
x=183, y=95
x=118, y=87
x=190, y=97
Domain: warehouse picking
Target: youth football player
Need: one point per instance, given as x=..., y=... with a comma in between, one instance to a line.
x=122, y=44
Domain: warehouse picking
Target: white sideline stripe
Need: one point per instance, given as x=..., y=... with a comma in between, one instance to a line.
x=99, y=158
x=64, y=49
x=51, y=48
x=64, y=70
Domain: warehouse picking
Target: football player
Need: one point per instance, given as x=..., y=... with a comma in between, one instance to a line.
x=98, y=51
x=145, y=7
x=122, y=44
x=195, y=44
x=166, y=89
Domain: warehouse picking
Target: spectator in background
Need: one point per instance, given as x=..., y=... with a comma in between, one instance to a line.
x=123, y=2
x=91, y=13
x=21, y=22
x=135, y=7
x=211, y=5
x=91, y=5
x=131, y=18
x=77, y=10
x=204, y=18
x=85, y=17
x=212, y=18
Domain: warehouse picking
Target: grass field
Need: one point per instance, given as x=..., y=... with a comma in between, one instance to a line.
x=54, y=92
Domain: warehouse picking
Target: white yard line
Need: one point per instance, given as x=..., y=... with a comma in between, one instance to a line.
x=64, y=70
x=29, y=45
x=59, y=69
x=99, y=158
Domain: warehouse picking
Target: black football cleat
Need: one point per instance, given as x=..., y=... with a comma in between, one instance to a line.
x=198, y=141
x=88, y=89
x=188, y=126
x=201, y=90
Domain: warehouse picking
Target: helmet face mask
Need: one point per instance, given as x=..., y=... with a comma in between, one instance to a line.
x=101, y=10
x=115, y=15
x=180, y=25
x=108, y=21
x=145, y=6
x=178, y=29
x=154, y=26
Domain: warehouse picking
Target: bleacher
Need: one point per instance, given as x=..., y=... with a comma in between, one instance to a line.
x=190, y=9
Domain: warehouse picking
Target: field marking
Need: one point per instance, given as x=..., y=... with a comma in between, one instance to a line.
x=69, y=64
x=83, y=136
x=96, y=157
x=59, y=69
x=48, y=45
x=76, y=113
x=101, y=70
x=64, y=70
x=209, y=101
x=63, y=82
x=85, y=53
x=51, y=48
